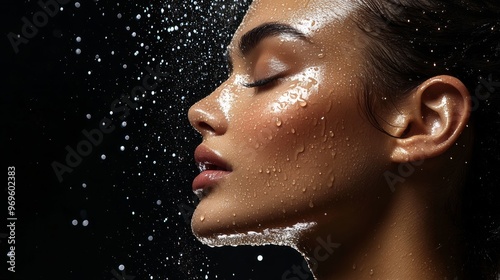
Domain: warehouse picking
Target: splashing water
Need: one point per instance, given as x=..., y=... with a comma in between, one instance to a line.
x=287, y=236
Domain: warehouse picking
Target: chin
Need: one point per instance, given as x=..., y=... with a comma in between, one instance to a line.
x=217, y=229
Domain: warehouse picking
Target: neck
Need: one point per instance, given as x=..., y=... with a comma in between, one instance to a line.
x=413, y=239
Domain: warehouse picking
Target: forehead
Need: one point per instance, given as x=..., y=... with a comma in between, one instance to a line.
x=308, y=16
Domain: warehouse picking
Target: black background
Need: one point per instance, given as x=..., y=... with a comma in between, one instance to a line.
x=50, y=94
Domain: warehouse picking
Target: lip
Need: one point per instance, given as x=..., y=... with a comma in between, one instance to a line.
x=212, y=166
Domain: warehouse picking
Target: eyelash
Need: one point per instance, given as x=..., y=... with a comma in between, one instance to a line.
x=262, y=83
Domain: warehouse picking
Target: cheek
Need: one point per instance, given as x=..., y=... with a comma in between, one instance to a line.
x=306, y=142
x=276, y=120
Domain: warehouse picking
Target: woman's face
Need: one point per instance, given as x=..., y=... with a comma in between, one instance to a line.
x=287, y=126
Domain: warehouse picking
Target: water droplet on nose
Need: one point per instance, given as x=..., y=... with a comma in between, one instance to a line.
x=202, y=218
x=302, y=103
x=278, y=122
x=371, y=272
x=321, y=55
x=311, y=204
x=293, y=130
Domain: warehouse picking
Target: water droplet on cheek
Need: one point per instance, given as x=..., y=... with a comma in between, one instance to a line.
x=299, y=150
x=302, y=103
x=279, y=123
x=311, y=204
x=331, y=181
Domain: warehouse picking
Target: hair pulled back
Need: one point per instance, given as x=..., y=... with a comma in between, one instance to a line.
x=412, y=41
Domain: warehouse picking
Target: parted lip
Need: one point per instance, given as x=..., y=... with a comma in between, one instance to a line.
x=207, y=159
x=212, y=168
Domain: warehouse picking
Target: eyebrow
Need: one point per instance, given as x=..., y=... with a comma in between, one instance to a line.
x=252, y=38
x=271, y=29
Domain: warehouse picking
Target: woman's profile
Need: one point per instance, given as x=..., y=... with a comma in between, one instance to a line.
x=363, y=133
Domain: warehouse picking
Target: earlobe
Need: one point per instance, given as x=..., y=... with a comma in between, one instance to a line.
x=434, y=116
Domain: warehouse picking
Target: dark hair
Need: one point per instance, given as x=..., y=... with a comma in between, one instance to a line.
x=412, y=41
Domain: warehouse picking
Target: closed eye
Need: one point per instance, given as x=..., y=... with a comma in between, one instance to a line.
x=262, y=82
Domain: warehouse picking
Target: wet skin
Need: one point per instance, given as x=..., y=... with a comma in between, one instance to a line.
x=299, y=146
x=289, y=127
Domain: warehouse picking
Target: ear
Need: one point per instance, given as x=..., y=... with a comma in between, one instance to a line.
x=431, y=119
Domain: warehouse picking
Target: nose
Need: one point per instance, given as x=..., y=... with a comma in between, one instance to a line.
x=207, y=117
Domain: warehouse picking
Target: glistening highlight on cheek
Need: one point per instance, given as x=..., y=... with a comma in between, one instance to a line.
x=275, y=117
x=299, y=89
